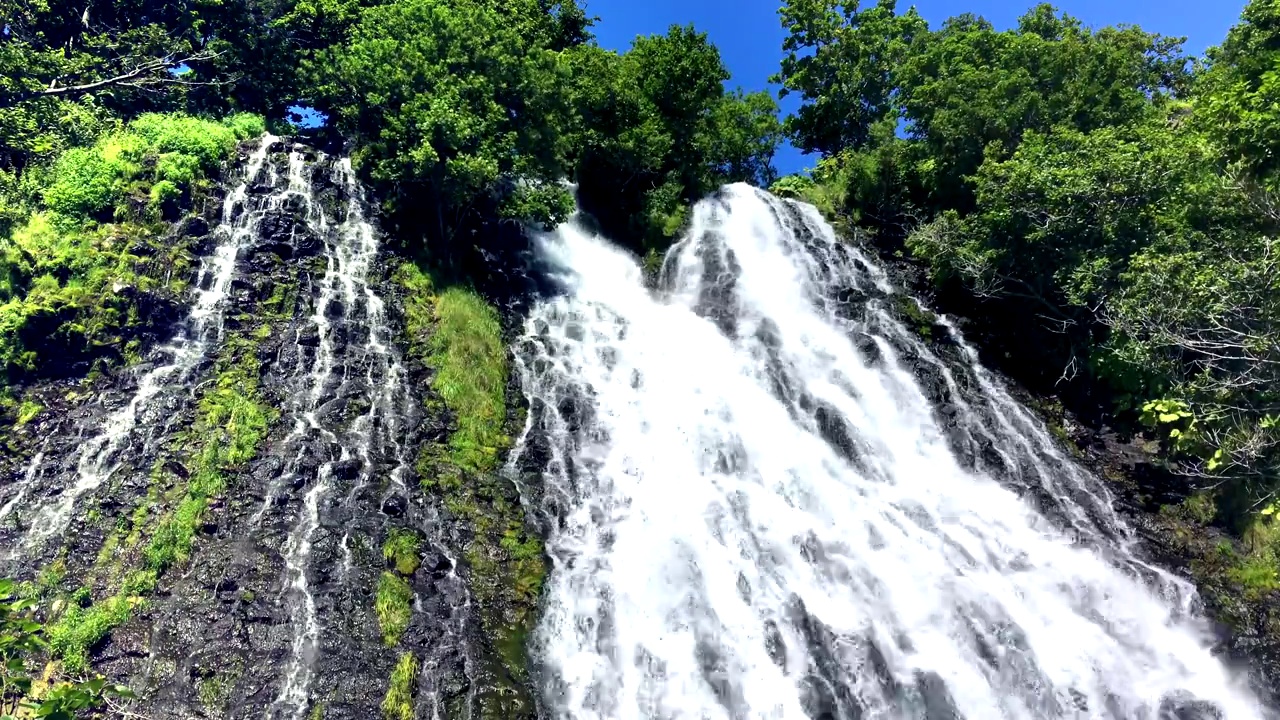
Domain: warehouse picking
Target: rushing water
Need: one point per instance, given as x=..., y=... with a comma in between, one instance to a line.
x=769, y=499
x=118, y=440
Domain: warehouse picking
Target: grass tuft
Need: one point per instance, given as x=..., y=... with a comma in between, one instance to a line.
x=398, y=705
x=471, y=374
x=79, y=629
x=393, y=605
x=402, y=550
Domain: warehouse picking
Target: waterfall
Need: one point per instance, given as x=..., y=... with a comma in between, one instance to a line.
x=351, y=466
x=770, y=499
x=117, y=441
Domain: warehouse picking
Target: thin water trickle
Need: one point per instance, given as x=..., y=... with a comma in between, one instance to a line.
x=758, y=512
x=345, y=359
x=103, y=454
x=24, y=485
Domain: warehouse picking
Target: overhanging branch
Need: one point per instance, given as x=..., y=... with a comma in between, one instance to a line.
x=151, y=72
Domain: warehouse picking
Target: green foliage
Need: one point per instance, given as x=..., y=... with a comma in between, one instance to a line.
x=393, y=605
x=22, y=640
x=398, y=704
x=20, y=637
x=166, y=151
x=472, y=111
x=28, y=411
x=963, y=92
x=1238, y=99
x=841, y=60
x=70, y=273
x=655, y=130
x=80, y=629
x=402, y=550
x=454, y=103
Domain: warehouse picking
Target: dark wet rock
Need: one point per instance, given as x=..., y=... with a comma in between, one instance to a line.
x=395, y=506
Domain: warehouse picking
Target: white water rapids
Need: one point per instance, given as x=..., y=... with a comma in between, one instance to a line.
x=758, y=512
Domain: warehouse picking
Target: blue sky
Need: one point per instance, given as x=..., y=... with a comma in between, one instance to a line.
x=750, y=37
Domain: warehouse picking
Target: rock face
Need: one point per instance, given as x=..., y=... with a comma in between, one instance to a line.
x=282, y=383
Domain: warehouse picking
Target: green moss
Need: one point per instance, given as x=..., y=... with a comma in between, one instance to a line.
x=81, y=628
x=232, y=422
x=393, y=605
x=398, y=704
x=27, y=412
x=215, y=690
x=51, y=576
x=402, y=550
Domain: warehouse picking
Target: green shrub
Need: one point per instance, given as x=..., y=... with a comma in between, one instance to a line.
x=88, y=182
x=58, y=264
x=209, y=143
x=393, y=606
x=398, y=705
x=22, y=642
x=177, y=168
x=246, y=125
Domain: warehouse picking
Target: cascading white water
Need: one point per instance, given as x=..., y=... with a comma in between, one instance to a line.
x=757, y=512
x=353, y=359
x=102, y=454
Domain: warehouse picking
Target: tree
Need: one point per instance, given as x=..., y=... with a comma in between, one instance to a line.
x=962, y=93
x=841, y=60
x=454, y=107
x=970, y=92
x=1201, y=316
x=657, y=131
x=1239, y=97
x=69, y=71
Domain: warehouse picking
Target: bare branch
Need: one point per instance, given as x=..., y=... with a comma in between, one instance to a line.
x=148, y=73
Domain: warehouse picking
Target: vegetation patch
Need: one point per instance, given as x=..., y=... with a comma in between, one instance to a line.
x=470, y=360
x=398, y=704
x=90, y=240
x=402, y=550
x=457, y=333
x=394, y=606
x=233, y=419
x=29, y=410
x=81, y=628
x=22, y=640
